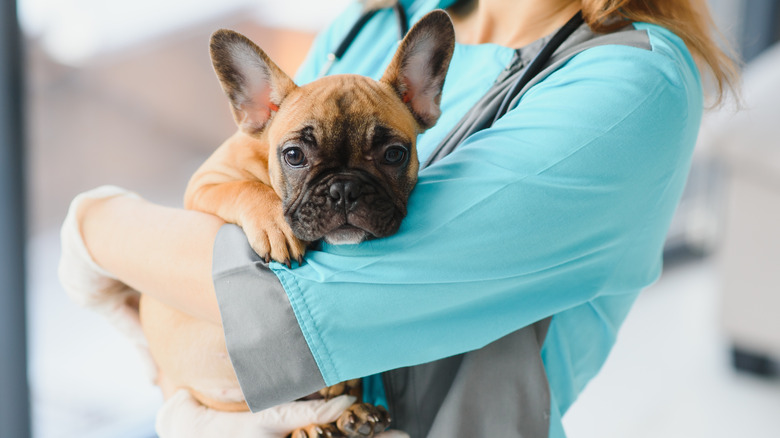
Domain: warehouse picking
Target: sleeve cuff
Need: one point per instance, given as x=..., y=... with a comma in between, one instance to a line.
x=269, y=353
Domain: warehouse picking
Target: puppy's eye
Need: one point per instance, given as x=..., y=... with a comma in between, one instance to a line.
x=294, y=157
x=395, y=155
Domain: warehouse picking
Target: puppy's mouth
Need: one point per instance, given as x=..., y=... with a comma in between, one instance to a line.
x=347, y=234
x=345, y=208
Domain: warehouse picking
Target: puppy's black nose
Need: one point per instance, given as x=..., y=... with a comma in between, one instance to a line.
x=345, y=191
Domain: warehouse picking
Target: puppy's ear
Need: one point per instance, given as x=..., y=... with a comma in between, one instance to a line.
x=420, y=65
x=253, y=83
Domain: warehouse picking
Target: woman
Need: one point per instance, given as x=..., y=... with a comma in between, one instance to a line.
x=524, y=247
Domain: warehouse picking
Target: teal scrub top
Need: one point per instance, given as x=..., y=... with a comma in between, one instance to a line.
x=559, y=209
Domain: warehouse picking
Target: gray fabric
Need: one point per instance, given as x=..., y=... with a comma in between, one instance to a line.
x=484, y=111
x=498, y=390
x=261, y=331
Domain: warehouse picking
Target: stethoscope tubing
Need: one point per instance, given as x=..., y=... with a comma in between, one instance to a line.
x=533, y=69
x=341, y=49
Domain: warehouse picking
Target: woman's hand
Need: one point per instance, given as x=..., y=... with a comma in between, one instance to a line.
x=182, y=416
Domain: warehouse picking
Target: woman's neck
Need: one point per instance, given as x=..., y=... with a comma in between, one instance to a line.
x=510, y=23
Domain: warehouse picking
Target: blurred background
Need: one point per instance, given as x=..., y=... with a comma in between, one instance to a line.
x=123, y=93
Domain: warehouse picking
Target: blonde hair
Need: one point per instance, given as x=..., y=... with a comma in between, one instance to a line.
x=688, y=19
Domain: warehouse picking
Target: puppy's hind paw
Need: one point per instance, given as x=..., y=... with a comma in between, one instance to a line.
x=317, y=431
x=363, y=420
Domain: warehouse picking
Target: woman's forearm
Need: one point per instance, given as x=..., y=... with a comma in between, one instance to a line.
x=160, y=251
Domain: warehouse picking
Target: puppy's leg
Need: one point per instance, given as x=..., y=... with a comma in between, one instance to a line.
x=256, y=208
x=190, y=354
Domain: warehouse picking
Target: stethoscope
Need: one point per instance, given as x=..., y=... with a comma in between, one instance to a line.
x=536, y=66
x=403, y=28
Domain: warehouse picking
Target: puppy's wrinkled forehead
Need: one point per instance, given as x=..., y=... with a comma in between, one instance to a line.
x=346, y=108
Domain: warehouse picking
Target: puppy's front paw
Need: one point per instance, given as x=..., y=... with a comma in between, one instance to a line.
x=363, y=420
x=272, y=239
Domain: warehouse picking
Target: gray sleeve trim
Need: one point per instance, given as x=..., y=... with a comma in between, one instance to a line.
x=266, y=346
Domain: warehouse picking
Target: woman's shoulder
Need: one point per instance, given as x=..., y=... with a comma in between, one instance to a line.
x=645, y=99
x=651, y=60
x=662, y=56
x=670, y=49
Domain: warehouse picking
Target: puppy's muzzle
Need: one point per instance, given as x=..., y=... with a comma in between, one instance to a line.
x=346, y=207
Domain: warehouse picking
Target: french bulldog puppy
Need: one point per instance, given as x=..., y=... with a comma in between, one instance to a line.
x=334, y=159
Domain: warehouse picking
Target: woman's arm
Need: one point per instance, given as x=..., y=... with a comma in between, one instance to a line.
x=160, y=251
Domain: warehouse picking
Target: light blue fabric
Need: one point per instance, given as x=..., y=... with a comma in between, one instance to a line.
x=561, y=208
